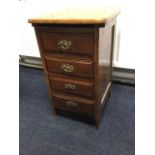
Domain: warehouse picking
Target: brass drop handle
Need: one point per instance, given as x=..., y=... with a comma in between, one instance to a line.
x=70, y=86
x=67, y=68
x=71, y=103
x=64, y=44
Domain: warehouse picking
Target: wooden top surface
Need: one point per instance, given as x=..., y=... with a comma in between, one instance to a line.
x=78, y=16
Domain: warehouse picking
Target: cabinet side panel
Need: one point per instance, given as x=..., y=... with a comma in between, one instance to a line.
x=106, y=40
x=37, y=32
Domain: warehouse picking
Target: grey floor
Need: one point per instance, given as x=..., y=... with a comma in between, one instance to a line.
x=43, y=134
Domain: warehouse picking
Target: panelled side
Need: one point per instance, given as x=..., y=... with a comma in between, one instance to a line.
x=106, y=41
x=37, y=32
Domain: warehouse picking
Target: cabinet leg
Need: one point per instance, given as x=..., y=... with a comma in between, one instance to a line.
x=52, y=106
x=53, y=110
x=97, y=124
x=109, y=94
x=97, y=120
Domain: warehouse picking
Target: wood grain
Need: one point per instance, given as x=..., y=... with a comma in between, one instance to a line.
x=78, y=16
x=89, y=59
x=81, y=68
x=80, y=43
x=83, y=88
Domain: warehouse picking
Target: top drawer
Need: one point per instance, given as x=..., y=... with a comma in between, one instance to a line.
x=67, y=43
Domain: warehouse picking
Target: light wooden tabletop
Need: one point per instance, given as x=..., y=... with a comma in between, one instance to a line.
x=78, y=16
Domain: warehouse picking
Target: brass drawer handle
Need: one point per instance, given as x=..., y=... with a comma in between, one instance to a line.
x=67, y=68
x=70, y=86
x=64, y=44
x=72, y=103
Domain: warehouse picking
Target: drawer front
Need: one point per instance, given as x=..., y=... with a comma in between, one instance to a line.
x=74, y=105
x=70, y=67
x=77, y=87
x=67, y=43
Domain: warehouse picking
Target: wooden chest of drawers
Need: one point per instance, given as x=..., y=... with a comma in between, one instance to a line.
x=77, y=60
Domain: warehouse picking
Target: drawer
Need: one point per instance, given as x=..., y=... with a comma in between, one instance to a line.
x=70, y=67
x=67, y=43
x=73, y=86
x=73, y=104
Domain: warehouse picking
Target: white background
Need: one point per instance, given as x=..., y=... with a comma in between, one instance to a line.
x=143, y=47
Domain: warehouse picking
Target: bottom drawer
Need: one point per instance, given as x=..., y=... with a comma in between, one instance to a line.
x=82, y=106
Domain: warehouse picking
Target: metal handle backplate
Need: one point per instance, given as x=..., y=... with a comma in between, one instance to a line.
x=71, y=103
x=67, y=68
x=64, y=44
x=70, y=86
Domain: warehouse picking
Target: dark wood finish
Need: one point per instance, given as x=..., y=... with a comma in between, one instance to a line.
x=80, y=67
x=79, y=87
x=86, y=107
x=80, y=43
x=69, y=28
x=88, y=61
x=105, y=57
